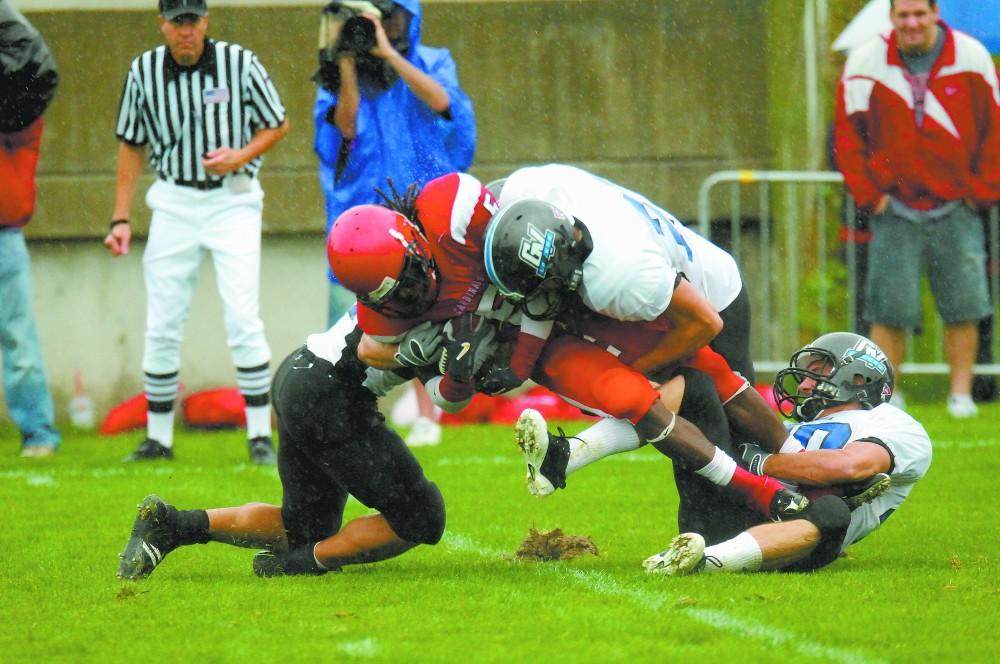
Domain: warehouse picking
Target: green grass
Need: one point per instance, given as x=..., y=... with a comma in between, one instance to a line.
x=924, y=588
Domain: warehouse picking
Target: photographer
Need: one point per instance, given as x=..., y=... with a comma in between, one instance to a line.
x=386, y=107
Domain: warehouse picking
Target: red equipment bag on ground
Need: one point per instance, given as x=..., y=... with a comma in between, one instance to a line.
x=218, y=408
x=129, y=415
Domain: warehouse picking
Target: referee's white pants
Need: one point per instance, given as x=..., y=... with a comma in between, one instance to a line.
x=186, y=222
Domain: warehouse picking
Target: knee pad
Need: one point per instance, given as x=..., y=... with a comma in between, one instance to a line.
x=419, y=515
x=831, y=515
x=623, y=393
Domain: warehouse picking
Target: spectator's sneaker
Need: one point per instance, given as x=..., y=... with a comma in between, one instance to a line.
x=150, y=450
x=685, y=555
x=153, y=537
x=290, y=563
x=545, y=454
x=865, y=491
x=425, y=432
x=787, y=505
x=262, y=451
x=38, y=450
x=961, y=406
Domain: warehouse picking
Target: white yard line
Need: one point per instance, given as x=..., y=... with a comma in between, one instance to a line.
x=604, y=584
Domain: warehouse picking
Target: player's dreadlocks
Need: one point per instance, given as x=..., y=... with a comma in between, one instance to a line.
x=406, y=204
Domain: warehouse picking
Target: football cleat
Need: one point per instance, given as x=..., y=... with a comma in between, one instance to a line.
x=685, y=555
x=150, y=450
x=862, y=493
x=546, y=455
x=787, y=505
x=291, y=563
x=261, y=451
x=153, y=537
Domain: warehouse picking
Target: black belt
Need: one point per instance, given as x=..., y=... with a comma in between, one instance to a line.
x=196, y=184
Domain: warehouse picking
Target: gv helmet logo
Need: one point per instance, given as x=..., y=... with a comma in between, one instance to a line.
x=537, y=249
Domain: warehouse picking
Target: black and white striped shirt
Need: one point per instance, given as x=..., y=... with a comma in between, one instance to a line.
x=184, y=112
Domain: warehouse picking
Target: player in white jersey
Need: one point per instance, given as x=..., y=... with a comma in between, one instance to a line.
x=838, y=388
x=639, y=249
x=567, y=244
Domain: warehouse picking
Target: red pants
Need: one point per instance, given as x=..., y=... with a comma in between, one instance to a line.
x=18, y=161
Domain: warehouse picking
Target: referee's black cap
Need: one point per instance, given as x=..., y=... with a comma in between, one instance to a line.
x=171, y=9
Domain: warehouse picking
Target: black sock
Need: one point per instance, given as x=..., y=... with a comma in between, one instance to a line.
x=192, y=527
x=302, y=561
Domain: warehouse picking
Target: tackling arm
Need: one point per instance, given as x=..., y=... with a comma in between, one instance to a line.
x=377, y=354
x=856, y=461
x=694, y=322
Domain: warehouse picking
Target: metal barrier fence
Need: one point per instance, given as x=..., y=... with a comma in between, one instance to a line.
x=773, y=272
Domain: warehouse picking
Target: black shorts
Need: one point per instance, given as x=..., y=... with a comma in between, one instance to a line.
x=333, y=441
x=715, y=513
x=733, y=343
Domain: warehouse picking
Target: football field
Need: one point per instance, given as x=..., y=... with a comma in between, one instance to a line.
x=924, y=588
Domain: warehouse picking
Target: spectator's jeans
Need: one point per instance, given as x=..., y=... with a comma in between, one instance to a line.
x=24, y=381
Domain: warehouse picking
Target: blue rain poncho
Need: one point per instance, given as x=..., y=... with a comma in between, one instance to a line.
x=398, y=135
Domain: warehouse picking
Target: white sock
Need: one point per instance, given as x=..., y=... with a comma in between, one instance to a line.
x=791, y=446
x=719, y=470
x=737, y=554
x=160, y=427
x=258, y=421
x=603, y=439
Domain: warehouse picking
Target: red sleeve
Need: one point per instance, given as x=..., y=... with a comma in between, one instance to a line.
x=986, y=165
x=728, y=383
x=850, y=149
x=525, y=354
x=458, y=206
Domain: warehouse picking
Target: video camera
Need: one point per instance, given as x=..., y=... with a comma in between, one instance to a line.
x=344, y=30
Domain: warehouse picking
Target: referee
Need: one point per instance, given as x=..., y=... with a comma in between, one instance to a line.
x=207, y=110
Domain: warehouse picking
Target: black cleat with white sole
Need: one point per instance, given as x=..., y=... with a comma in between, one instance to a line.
x=546, y=455
x=153, y=537
x=865, y=491
x=787, y=505
x=297, y=562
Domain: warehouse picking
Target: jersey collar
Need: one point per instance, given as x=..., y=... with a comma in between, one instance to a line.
x=205, y=64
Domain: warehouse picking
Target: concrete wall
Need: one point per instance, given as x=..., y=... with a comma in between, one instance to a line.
x=654, y=94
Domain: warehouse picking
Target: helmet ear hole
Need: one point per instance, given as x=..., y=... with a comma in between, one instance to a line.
x=532, y=252
x=384, y=259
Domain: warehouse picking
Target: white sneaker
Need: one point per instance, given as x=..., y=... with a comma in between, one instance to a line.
x=897, y=400
x=425, y=432
x=685, y=555
x=961, y=406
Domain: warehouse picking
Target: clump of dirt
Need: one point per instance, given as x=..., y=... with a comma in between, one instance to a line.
x=554, y=545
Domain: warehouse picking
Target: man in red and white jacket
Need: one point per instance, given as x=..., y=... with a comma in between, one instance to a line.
x=917, y=138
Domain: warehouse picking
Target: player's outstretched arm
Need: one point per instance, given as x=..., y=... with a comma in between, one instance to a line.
x=857, y=460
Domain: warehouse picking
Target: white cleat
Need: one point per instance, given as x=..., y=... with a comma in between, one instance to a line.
x=424, y=433
x=685, y=555
x=533, y=439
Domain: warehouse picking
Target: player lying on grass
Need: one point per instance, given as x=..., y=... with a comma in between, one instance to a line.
x=333, y=442
x=404, y=278
x=862, y=458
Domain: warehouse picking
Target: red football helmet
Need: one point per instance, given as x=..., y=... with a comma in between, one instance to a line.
x=384, y=259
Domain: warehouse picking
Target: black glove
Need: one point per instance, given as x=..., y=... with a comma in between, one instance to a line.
x=752, y=457
x=421, y=345
x=468, y=343
x=499, y=380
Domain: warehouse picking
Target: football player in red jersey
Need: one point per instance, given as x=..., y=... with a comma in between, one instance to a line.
x=428, y=252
